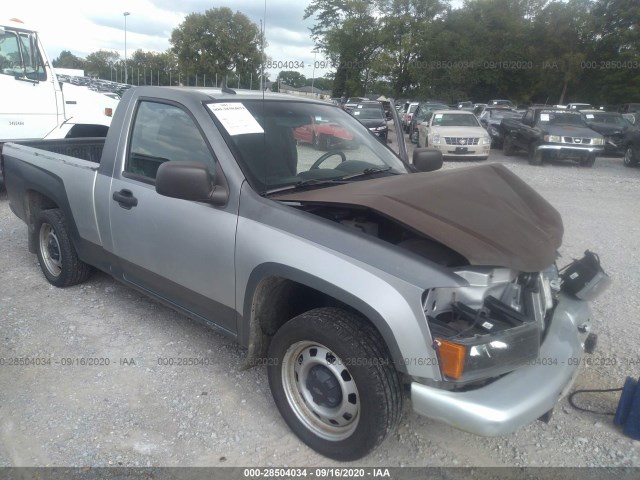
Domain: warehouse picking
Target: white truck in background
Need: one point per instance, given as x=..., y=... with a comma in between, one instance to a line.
x=33, y=103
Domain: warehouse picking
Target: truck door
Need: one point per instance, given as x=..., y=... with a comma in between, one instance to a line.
x=525, y=132
x=29, y=92
x=181, y=251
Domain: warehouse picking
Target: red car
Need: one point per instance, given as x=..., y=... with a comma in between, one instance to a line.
x=322, y=134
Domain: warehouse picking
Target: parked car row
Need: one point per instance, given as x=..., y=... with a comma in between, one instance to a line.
x=325, y=134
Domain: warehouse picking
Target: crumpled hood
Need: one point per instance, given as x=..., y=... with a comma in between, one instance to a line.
x=486, y=213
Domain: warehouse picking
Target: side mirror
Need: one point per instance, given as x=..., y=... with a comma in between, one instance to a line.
x=427, y=159
x=189, y=181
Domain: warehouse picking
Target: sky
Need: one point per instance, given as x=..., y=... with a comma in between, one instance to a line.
x=86, y=26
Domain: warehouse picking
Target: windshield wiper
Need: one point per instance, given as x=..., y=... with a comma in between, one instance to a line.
x=312, y=182
x=307, y=183
x=368, y=171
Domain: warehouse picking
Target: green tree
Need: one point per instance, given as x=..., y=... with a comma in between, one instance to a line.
x=560, y=30
x=66, y=59
x=348, y=32
x=405, y=28
x=100, y=63
x=292, y=78
x=323, y=83
x=217, y=42
x=612, y=62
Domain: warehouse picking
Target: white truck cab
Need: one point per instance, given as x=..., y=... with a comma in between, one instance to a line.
x=34, y=105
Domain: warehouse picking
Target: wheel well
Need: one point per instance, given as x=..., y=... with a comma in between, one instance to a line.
x=277, y=300
x=35, y=203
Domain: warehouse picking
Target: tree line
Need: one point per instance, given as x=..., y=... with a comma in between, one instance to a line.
x=530, y=51
x=526, y=50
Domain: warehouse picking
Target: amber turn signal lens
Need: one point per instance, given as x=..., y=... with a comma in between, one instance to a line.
x=108, y=112
x=451, y=357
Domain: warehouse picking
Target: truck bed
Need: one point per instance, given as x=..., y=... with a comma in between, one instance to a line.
x=89, y=149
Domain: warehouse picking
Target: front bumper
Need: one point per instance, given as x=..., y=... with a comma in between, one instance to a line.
x=569, y=151
x=469, y=151
x=521, y=396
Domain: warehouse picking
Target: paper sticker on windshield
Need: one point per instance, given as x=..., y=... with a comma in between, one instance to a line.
x=544, y=117
x=235, y=118
x=437, y=116
x=589, y=115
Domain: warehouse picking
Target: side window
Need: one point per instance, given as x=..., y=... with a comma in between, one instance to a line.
x=33, y=64
x=164, y=133
x=10, y=61
x=528, y=118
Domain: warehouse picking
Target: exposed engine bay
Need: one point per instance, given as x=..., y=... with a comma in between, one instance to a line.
x=374, y=224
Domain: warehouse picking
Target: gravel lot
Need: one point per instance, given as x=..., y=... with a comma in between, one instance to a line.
x=135, y=412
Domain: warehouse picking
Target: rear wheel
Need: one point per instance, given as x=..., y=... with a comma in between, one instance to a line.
x=333, y=382
x=629, y=159
x=57, y=255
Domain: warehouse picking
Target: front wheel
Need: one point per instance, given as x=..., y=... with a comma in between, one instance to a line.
x=588, y=161
x=629, y=159
x=535, y=155
x=57, y=255
x=507, y=146
x=333, y=382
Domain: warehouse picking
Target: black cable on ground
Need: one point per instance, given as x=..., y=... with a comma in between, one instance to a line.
x=592, y=391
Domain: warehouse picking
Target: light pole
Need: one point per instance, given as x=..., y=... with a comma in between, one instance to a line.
x=126, y=14
x=313, y=78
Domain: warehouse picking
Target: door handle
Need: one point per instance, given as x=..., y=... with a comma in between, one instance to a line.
x=126, y=199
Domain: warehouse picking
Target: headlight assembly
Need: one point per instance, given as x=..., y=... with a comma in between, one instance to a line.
x=553, y=138
x=491, y=327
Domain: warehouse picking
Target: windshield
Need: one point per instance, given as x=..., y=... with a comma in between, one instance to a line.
x=369, y=113
x=281, y=144
x=561, y=118
x=498, y=114
x=426, y=109
x=608, y=118
x=455, y=120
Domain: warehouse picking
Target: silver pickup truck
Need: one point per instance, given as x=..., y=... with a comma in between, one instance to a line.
x=358, y=279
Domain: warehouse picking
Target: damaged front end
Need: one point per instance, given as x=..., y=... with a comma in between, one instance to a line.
x=509, y=344
x=498, y=322
x=492, y=326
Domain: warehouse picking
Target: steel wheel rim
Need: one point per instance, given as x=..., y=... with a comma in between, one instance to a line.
x=627, y=156
x=50, y=250
x=329, y=422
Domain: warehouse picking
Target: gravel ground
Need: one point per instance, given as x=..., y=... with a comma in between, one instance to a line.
x=135, y=412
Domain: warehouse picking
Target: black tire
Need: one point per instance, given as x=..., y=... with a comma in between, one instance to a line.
x=57, y=255
x=629, y=159
x=346, y=362
x=535, y=155
x=588, y=161
x=507, y=147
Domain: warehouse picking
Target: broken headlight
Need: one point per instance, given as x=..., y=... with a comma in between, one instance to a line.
x=494, y=325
